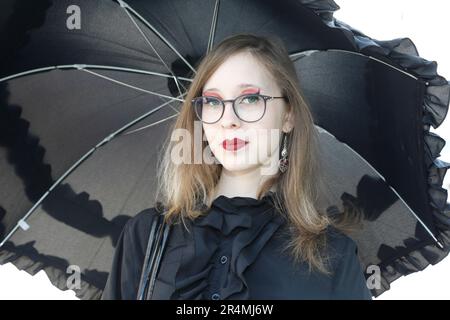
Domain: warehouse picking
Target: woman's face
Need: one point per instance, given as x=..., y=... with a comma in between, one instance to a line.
x=242, y=74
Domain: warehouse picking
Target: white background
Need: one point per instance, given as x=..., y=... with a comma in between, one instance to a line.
x=425, y=23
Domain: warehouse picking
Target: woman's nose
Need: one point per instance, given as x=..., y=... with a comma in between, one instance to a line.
x=229, y=118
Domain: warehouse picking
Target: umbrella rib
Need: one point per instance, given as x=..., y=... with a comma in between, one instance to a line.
x=153, y=48
x=96, y=66
x=22, y=224
x=17, y=75
x=212, y=31
x=127, y=6
x=89, y=66
x=151, y=124
x=398, y=195
x=309, y=52
x=130, y=86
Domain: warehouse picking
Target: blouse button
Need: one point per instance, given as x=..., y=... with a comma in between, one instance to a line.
x=215, y=296
x=223, y=259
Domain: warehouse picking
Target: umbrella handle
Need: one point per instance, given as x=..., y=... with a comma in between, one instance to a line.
x=155, y=247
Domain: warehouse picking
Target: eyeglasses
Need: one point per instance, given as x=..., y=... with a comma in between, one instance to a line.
x=247, y=107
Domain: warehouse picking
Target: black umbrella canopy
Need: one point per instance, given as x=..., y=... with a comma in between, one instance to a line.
x=73, y=100
x=398, y=178
x=135, y=34
x=73, y=220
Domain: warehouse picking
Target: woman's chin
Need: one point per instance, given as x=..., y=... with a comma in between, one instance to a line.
x=239, y=166
x=234, y=166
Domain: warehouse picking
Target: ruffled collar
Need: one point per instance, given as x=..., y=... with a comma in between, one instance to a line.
x=228, y=213
x=258, y=221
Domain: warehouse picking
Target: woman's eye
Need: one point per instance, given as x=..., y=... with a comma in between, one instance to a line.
x=211, y=101
x=250, y=99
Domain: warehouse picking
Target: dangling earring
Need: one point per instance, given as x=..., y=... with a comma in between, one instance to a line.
x=283, y=163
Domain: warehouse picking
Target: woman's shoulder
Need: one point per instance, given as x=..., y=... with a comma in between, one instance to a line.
x=348, y=274
x=123, y=279
x=340, y=244
x=140, y=223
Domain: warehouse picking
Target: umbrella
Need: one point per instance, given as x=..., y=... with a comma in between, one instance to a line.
x=89, y=90
x=382, y=159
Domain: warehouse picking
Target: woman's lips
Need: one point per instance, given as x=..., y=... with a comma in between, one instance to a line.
x=233, y=144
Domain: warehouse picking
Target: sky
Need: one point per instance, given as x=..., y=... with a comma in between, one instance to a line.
x=425, y=23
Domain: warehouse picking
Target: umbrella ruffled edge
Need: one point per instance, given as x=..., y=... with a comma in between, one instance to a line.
x=403, y=54
x=57, y=276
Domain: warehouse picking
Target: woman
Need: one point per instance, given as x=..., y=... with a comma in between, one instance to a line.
x=245, y=223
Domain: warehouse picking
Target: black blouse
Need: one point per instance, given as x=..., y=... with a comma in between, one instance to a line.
x=232, y=252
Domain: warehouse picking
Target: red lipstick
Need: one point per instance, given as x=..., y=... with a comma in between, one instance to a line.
x=233, y=144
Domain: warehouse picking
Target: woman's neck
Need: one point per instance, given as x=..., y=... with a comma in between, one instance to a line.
x=240, y=184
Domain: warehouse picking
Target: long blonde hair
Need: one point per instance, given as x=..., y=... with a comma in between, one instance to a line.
x=183, y=186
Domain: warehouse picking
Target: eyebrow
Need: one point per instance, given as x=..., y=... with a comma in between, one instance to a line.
x=242, y=85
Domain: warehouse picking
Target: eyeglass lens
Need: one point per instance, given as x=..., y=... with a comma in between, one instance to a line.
x=248, y=107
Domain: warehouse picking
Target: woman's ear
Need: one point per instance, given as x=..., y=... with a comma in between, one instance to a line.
x=288, y=122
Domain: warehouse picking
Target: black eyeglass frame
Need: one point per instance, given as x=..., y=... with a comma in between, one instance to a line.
x=265, y=98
